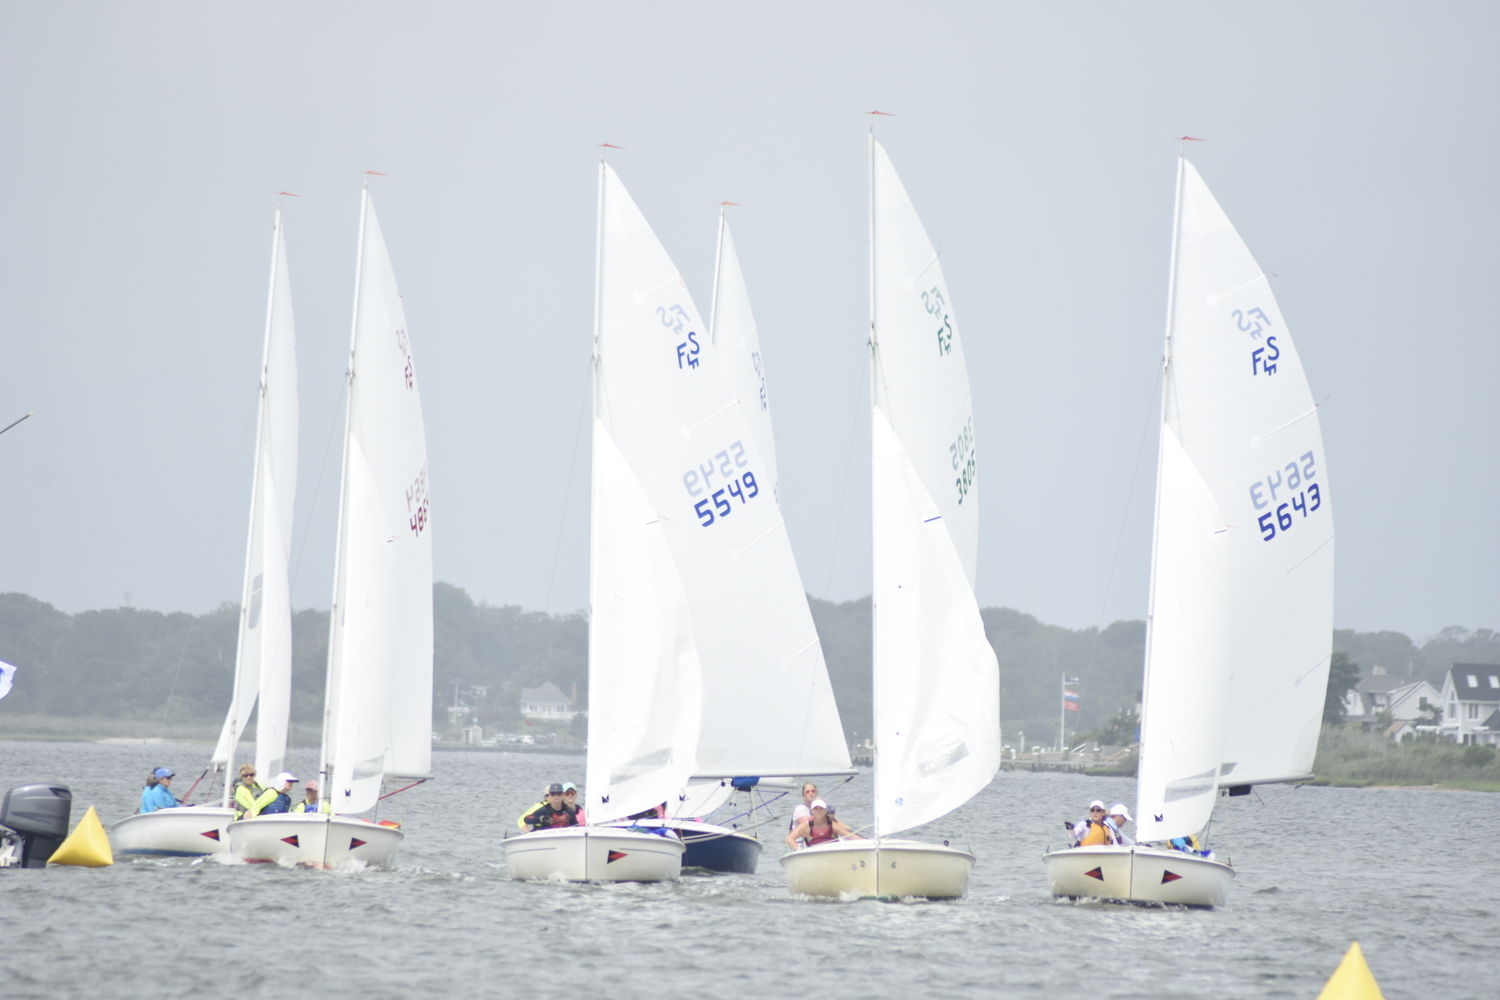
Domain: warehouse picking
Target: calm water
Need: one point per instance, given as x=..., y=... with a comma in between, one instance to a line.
x=1413, y=875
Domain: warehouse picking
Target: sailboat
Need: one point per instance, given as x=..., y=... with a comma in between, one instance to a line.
x=377, y=721
x=768, y=705
x=263, y=661
x=1240, y=619
x=936, y=679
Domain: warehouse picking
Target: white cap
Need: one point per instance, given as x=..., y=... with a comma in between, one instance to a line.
x=1096, y=804
x=817, y=804
x=286, y=776
x=1118, y=809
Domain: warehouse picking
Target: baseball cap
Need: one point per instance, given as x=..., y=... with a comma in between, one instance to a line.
x=1118, y=809
x=286, y=776
x=1096, y=804
x=311, y=783
x=568, y=786
x=554, y=789
x=818, y=804
x=164, y=772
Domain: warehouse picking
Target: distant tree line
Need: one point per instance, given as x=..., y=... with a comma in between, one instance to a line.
x=131, y=663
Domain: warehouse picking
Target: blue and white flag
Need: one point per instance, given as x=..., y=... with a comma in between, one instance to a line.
x=7, y=674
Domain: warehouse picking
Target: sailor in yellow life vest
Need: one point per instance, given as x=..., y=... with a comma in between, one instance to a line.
x=310, y=802
x=1093, y=831
x=249, y=796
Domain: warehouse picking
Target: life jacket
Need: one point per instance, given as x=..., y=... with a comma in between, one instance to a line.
x=547, y=818
x=823, y=836
x=523, y=821
x=250, y=801
x=317, y=807
x=1097, y=836
x=280, y=804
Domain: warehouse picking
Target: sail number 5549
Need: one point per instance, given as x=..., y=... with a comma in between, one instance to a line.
x=737, y=485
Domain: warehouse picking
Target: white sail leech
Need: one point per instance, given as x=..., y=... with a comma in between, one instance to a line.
x=937, y=688
x=379, y=712
x=1242, y=409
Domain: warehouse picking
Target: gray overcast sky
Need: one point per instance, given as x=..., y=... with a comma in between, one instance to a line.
x=1354, y=146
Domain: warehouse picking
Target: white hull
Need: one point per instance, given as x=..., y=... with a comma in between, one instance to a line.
x=710, y=847
x=1138, y=875
x=594, y=854
x=184, y=832
x=318, y=841
x=882, y=868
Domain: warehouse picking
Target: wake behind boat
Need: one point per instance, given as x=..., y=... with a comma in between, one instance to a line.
x=936, y=684
x=1240, y=617
x=378, y=702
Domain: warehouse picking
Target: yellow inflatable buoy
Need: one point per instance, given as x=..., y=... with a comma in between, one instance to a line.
x=87, y=845
x=1352, y=980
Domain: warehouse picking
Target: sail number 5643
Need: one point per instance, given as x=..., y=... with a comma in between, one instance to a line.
x=1307, y=500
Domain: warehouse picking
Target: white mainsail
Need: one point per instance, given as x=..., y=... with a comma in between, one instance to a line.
x=263, y=661
x=1240, y=405
x=378, y=720
x=937, y=687
x=665, y=400
x=1189, y=653
x=734, y=334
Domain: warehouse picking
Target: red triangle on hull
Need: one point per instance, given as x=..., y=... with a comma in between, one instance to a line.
x=616, y=856
x=1097, y=873
x=356, y=842
x=291, y=840
x=1167, y=876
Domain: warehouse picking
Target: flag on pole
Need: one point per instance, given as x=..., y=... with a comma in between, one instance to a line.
x=7, y=676
x=1070, y=698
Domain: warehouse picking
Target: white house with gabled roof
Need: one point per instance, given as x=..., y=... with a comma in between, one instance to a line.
x=547, y=702
x=1402, y=697
x=1471, y=697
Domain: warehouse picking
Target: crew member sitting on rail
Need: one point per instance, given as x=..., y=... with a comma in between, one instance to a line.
x=1093, y=831
x=570, y=802
x=819, y=828
x=553, y=814
x=1118, y=817
x=310, y=802
x=158, y=791
x=282, y=803
x=250, y=797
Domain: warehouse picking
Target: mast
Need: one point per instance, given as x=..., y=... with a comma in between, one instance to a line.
x=874, y=359
x=713, y=302
x=335, y=631
x=236, y=722
x=1166, y=385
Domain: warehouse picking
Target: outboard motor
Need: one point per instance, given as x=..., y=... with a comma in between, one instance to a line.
x=34, y=823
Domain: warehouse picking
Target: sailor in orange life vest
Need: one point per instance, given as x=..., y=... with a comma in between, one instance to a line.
x=819, y=828
x=1094, y=830
x=553, y=814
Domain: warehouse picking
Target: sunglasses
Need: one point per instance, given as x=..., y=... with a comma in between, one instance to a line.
x=1096, y=810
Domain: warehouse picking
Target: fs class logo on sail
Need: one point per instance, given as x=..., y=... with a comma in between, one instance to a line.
x=737, y=485
x=674, y=319
x=416, y=503
x=1254, y=322
x=404, y=343
x=1307, y=501
x=937, y=308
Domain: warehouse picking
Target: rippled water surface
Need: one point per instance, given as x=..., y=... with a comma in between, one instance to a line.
x=1414, y=875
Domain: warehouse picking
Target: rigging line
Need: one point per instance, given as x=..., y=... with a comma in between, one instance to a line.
x=1125, y=517
x=859, y=395
x=318, y=489
x=403, y=788
x=562, y=519
x=192, y=620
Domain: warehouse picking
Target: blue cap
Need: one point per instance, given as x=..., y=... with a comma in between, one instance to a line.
x=164, y=772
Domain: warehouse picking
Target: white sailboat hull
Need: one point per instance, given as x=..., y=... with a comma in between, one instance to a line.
x=1138, y=875
x=317, y=841
x=594, y=854
x=185, y=832
x=878, y=868
x=710, y=847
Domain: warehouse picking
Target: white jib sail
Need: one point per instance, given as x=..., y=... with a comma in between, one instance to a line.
x=1241, y=407
x=937, y=683
x=263, y=661
x=672, y=409
x=1189, y=654
x=379, y=719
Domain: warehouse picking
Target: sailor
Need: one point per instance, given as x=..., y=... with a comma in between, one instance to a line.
x=158, y=791
x=522, y=821
x=1092, y=832
x=282, y=803
x=553, y=814
x=1118, y=817
x=250, y=797
x=570, y=802
x=804, y=808
x=819, y=828
x=310, y=803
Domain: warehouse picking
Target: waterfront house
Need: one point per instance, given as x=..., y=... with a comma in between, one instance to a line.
x=1402, y=697
x=1471, y=701
x=547, y=702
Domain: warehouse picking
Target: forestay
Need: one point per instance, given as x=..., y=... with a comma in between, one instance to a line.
x=379, y=720
x=1240, y=405
x=666, y=401
x=263, y=661
x=937, y=689
x=1188, y=654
